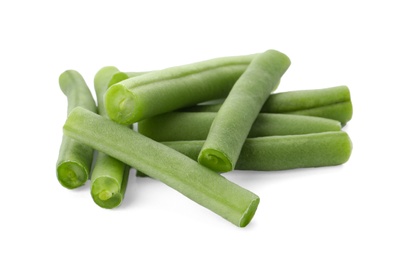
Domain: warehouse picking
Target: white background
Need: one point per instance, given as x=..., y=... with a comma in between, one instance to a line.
x=342, y=212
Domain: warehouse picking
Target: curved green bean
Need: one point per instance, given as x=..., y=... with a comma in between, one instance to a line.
x=333, y=103
x=180, y=126
x=109, y=176
x=169, y=89
x=274, y=153
x=74, y=160
x=158, y=161
x=234, y=119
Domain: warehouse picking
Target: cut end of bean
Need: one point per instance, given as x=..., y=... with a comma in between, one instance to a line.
x=119, y=104
x=215, y=160
x=249, y=213
x=105, y=195
x=105, y=192
x=71, y=175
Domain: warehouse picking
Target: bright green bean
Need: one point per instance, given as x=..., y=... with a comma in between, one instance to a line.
x=74, y=160
x=158, y=161
x=109, y=181
x=104, y=78
x=234, y=119
x=275, y=153
x=333, y=103
x=179, y=126
x=166, y=90
x=76, y=90
x=109, y=176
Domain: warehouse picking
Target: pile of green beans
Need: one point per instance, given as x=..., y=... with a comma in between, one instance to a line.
x=189, y=144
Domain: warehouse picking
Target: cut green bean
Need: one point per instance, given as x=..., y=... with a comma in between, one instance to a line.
x=108, y=181
x=233, y=122
x=109, y=176
x=333, y=103
x=166, y=90
x=180, y=126
x=74, y=160
x=76, y=90
x=274, y=153
x=158, y=161
x=104, y=78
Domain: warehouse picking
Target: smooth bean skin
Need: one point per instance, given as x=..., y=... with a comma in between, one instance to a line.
x=162, y=91
x=234, y=119
x=158, y=161
x=275, y=153
x=109, y=176
x=76, y=90
x=74, y=160
x=182, y=126
x=333, y=103
x=132, y=74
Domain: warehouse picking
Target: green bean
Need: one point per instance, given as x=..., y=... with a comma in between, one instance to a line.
x=234, y=119
x=179, y=126
x=109, y=176
x=132, y=74
x=166, y=90
x=104, y=78
x=333, y=103
x=109, y=181
x=158, y=161
x=274, y=153
x=74, y=160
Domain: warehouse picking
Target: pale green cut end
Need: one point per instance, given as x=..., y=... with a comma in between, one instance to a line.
x=119, y=104
x=71, y=174
x=249, y=213
x=105, y=192
x=215, y=160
